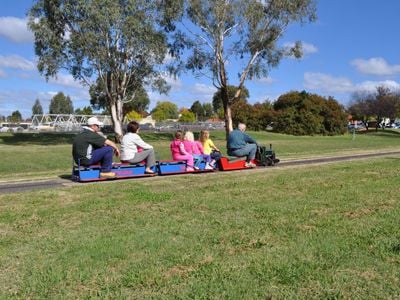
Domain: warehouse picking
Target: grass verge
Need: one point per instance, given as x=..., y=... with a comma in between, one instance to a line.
x=328, y=231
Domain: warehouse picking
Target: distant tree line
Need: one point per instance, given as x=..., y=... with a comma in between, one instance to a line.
x=60, y=104
x=374, y=106
x=296, y=113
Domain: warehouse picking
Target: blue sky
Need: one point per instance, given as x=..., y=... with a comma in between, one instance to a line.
x=352, y=46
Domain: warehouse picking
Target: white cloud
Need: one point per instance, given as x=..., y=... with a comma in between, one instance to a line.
x=66, y=80
x=15, y=29
x=371, y=86
x=184, y=96
x=264, y=80
x=327, y=83
x=375, y=66
x=16, y=62
x=306, y=47
x=2, y=74
x=309, y=48
x=174, y=82
x=204, y=91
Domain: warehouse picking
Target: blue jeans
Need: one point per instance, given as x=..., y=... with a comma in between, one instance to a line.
x=249, y=151
x=198, y=158
x=104, y=156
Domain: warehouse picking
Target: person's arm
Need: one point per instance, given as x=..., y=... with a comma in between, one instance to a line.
x=112, y=144
x=200, y=147
x=249, y=139
x=142, y=144
x=213, y=146
x=182, y=149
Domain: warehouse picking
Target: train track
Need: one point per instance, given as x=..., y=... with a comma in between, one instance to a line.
x=22, y=186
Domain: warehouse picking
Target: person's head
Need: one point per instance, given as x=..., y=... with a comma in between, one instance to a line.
x=179, y=135
x=189, y=136
x=204, y=135
x=133, y=127
x=242, y=127
x=94, y=123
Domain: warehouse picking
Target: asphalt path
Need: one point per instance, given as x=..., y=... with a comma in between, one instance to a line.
x=22, y=186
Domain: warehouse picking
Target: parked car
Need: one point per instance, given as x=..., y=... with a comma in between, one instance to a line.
x=357, y=126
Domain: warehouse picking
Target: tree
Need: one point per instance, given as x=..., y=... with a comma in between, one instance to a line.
x=247, y=31
x=361, y=106
x=133, y=116
x=217, y=101
x=61, y=104
x=208, y=110
x=116, y=45
x=15, y=117
x=165, y=110
x=198, y=110
x=139, y=99
x=87, y=110
x=301, y=113
x=37, y=108
x=383, y=103
x=262, y=117
x=386, y=104
x=187, y=116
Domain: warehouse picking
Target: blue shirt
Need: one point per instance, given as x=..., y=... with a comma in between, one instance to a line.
x=238, y=139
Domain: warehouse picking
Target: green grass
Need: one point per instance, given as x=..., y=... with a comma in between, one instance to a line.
x=320, y=232
x=49, y=155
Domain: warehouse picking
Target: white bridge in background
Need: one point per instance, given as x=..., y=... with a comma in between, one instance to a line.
x=64, y=122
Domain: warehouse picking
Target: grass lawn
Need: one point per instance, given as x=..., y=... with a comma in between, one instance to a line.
x=328, y=231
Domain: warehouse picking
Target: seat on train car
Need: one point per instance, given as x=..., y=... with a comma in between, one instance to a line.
x=232, y=163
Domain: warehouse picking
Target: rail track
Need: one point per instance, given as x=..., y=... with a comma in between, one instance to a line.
x=22, y=186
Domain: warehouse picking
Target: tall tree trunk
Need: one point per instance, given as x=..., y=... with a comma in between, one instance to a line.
x=227, y=111
x=116, y=116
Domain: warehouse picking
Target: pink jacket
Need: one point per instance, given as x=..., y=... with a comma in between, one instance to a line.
x=193, y=147
x=177, y=148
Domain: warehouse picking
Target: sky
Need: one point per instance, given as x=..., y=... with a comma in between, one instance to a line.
x=353, y=46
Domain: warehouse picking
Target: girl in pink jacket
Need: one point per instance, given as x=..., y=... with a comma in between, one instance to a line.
x=195, y=148
x=178, y=151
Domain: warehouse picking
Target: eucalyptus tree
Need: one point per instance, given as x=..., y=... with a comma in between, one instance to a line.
x=61, y=104
x=37, y=108
x=245, y=33
x=117, y=45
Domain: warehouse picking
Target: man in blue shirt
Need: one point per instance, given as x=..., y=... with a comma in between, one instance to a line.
x=242, y=144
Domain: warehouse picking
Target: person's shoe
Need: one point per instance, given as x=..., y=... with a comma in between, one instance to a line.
x=107, y=175
x=196, y=168
x=212, y=163
x=249, y=165
x=189, y=169
x=208, y=167
x=149, y=172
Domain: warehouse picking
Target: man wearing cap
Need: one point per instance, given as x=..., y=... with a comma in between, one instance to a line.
x=91, y=147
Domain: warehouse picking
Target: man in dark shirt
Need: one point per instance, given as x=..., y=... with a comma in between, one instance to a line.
x=242, y=144
x=91, y=147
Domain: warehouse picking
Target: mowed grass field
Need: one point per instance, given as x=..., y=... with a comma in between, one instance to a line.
x=318, y=232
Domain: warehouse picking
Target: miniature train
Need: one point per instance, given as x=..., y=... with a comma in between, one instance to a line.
x=264, y=157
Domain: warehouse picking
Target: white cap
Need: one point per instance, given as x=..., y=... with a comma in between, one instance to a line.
x=94, y=121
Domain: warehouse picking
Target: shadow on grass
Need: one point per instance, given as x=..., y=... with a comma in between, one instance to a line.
x=65, y=176
x=380, y=132
x=42, y=138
